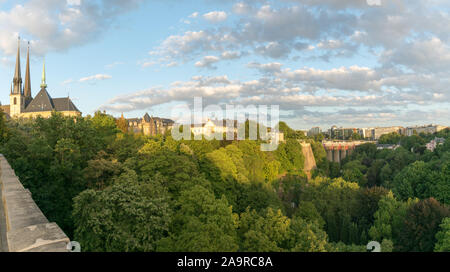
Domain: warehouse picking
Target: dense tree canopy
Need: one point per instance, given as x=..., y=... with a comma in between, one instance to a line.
x=115, y=190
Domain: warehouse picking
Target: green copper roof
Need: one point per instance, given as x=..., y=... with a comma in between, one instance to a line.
x=43, y=84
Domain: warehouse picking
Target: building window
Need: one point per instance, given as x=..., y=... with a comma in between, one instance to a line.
x=15, y=101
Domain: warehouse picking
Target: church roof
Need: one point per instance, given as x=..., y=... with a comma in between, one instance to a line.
x=44, y=102
x=64, y=104
x=147, y=117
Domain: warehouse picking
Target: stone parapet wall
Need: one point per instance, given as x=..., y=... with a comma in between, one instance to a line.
x=23, y=226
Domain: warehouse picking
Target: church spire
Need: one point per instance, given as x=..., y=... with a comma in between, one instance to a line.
x=43, y=83
x=17, y=77
x=27, y=88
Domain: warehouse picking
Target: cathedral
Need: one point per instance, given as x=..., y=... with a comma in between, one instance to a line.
x=23, y=105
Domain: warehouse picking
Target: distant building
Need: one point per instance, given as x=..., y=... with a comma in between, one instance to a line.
x=149, y=125
x=314, y=131
x=341, y=133
x=366, y=133
x=429, y=129
x=211, y=127
x=434, y=143
x=376, y=133
x=380, y=131
x=23, y=105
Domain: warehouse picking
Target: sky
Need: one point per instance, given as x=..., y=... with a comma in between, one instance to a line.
x=351, y=63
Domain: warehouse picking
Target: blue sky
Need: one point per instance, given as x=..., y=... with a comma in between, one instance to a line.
x=349, y=62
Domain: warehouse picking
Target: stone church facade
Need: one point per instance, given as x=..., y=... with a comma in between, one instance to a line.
x=23, y=105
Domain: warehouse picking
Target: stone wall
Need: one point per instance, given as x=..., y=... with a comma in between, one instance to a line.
x=310, y=161
x=23, y=226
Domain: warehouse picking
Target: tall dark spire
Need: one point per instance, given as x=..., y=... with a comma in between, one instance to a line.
x=27, y=87
x=17, y=77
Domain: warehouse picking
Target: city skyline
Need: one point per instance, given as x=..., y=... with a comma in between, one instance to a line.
x=346, y=63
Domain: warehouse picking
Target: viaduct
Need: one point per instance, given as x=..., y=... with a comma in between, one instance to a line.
x=23, y=226
x=338, y=150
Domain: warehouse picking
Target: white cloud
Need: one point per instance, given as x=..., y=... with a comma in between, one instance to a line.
x=274, y=67
x=207, y=62
x=432, y=55
x=215, y=16
x=194, y=15
x=95, y=78
x=114, y=64
x=231, y=55
x=58, y=25
x=147, y=64
x=68, y=81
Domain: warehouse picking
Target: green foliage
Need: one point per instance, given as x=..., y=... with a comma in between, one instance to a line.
x=101, y=170
x=391, y=138
x=387, y=245
x=443, y=237
x=421, y=225
x=341, y=247
x=201, y=224
x=290, y=133
x=117, y=191
x=128, y=216
x=269, y=232
x=389, y=219
x=355, y=136
x=415, y=180
x=105, y=124
x=307, y=236
x=3, y=127
x=308, y=212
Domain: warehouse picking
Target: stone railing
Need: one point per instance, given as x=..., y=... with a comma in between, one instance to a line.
x=23, y=226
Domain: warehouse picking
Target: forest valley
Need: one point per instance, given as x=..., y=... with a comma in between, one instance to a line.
x=111, y=190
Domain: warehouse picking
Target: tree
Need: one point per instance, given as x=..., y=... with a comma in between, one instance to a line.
x=308, y=212
x=308, y=236
x=353, y=171
x=100, y=171
x=368, y=204
x=441, y=184
x=414, y=180
x=355, y=136
x=128, y=216
x=421, y=225
x=341, y=247
x=122, y=124
x=289, y=133
x=443, y=237
x=373, y=173
x=391, y=138
x=201, y=224
x=3, y=128
x=389, y=219
x=337, y=202
x=270, y=232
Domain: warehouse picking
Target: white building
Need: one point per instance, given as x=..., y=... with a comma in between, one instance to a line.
x=429, y=129
x=226, y=127
x=434, y=143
